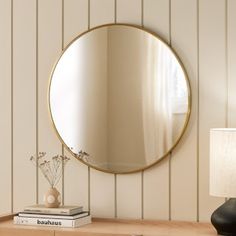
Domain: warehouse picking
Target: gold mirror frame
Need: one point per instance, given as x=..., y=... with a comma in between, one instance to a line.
x=187, y=114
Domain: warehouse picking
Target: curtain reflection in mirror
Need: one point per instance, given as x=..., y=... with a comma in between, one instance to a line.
x=163, y=86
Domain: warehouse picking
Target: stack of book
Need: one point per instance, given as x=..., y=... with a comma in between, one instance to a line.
x=64, y=216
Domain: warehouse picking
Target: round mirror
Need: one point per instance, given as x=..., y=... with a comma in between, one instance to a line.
x=119, y=98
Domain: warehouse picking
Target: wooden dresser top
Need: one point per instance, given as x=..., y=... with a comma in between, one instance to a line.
x=113, y=227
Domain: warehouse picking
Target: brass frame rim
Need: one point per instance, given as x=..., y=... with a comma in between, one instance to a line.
x=188, y=113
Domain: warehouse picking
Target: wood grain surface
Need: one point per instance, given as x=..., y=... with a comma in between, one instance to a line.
x=114, y=228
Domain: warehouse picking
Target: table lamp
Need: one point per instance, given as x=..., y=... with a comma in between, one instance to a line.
x=223, y=178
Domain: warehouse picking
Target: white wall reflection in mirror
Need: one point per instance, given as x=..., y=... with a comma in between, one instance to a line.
x=120, y=94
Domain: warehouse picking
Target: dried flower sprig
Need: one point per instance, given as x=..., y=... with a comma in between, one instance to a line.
x=84, y=156
x=51, y=169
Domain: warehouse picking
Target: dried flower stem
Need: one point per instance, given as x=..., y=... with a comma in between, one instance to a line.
x=51, y=169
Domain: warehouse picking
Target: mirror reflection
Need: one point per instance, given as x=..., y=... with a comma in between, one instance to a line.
x=121, y=95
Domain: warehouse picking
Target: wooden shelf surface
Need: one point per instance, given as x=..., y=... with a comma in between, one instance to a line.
x=113, y=227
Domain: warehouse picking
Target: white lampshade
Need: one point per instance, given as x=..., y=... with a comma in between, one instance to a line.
x=223, y=162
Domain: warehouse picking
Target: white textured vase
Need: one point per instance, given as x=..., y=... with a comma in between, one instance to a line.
x=52, y=198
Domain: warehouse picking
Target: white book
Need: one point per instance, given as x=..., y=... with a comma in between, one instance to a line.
x=37, y=215
x=52, y=222
x=62, y=210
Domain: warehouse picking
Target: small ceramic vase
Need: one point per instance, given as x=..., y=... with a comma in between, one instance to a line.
x=52, y=198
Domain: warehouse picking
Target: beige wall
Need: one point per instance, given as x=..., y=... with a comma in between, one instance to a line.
x=202, y=32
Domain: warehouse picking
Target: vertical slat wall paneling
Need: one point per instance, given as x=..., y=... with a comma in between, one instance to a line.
x=156, y=17
x=102, y=194
x=212, y=97
x=49, y=48
x=102, y=184
x=75, y=178
x=129, y=202
x=24, y=102
x=75, y=18
x=129, y=11
x=101, y=12
x=5, y=106
x=129, y=190
x=156, y=190
x=231, y=63
x=184, y=156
